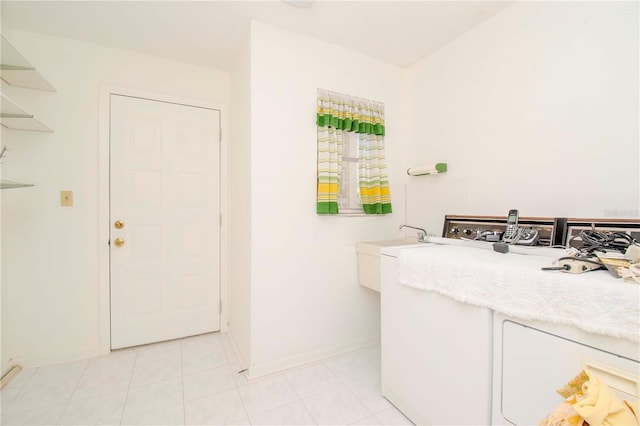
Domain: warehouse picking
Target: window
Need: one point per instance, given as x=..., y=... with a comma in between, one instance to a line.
x=349, y=201
x=352, y=171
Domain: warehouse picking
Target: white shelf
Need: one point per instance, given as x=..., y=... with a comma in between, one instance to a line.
x=10, y=184
x=15, y=70
x=16, y=118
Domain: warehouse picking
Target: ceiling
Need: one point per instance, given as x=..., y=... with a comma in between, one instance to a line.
x=209, y=33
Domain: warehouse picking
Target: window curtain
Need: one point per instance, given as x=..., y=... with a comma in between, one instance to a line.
x=337, y=113
x=329, y=168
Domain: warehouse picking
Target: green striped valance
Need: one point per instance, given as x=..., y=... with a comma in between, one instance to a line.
x=349, y=124
x=350, y=113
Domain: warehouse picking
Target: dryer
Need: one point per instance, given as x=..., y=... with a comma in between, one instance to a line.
x=532, y=359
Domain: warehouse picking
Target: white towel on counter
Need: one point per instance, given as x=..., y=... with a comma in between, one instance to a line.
x=515, y=285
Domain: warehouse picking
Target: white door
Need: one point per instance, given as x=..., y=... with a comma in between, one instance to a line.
x=164, y=220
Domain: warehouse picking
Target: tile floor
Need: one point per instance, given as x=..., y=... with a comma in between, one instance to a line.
x=195, y=381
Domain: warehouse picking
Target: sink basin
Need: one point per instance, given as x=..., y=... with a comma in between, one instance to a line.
x=369, y=260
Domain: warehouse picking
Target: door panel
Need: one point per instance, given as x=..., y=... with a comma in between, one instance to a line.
x=165, y=188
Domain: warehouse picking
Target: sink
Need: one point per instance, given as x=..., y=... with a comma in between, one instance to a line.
x=369, y=260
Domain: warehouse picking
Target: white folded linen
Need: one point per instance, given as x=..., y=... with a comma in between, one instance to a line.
x=515, y=285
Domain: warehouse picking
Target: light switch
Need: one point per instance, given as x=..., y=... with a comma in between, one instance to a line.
x=66, y=198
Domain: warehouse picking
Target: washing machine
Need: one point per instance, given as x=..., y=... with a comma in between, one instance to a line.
x=436, y=352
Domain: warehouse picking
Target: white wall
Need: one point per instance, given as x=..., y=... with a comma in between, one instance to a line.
x=535, y=109
x=240, y=206
x=50, y=253
x=305, y=298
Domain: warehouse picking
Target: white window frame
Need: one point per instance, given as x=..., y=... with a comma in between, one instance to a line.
x=349, y=202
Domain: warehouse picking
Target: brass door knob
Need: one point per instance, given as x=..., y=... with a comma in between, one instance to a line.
x=118, y=224
x=119, y=242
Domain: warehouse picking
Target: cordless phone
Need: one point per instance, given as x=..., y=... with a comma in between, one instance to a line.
x=512, y=226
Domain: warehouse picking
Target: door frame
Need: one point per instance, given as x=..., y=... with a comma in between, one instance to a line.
x=104, y=270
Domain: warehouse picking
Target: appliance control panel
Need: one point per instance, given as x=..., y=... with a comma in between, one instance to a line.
x=545, y=231
x=576, y=226
x=534, y=231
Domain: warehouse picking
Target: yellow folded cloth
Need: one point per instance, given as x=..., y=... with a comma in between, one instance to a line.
x=589, y=401
x=563, y=415
x=599, y=405
x=574, y=386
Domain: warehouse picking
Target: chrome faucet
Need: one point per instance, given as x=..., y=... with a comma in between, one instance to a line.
x=421, y=234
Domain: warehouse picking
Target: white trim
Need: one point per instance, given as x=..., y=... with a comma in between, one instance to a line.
x=103, y=201
x=405, y=408
x=264, y=369
x=43, y=360
x=243, y=361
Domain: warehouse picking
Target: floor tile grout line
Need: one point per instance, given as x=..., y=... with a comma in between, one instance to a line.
x=150, y=411
x=28, y=381
x=21, y=387
x=245, y=406
x=299, y=398
x=342, y=382
x=237, y=387
x=96, y=395
x=155, y=381
x=346, y=385
x=126, y=397
x=184, y=409
x=235, y=384
x=4, y=405
x=334, y=375
x=75, y=388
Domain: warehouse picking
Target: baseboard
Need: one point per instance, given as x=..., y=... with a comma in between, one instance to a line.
x=234, y=345
x=271, y=367
x=408, y=411
x=52, y=359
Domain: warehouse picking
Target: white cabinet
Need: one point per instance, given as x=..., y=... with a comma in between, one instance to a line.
x=436, y=354
x=16, y=71
x=369, y=260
